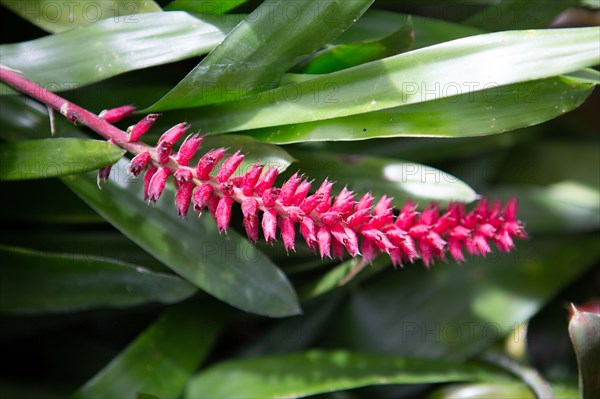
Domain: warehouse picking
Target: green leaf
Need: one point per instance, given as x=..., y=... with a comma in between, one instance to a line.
x=314, y=372
x=255, y=55
x=376, y=24
x=204, y=6
x=454, y=311
x=491, y=111
x=114, y=46
x=519, y=14
x=584, y=330
x=463, y=66
x=55, y=16
x=226, y=266
x=161, y=359
x=343, y=56
x=398, y=179
x=334, y=278
x=92, y=244
x=41, y=159
x=587, y=75
x=41, y=282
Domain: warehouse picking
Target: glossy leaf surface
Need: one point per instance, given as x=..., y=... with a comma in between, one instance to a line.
x=160, y=360
x=55, y=16
x=491, y=111
x=260, y=49
x=337, y=57
x=314, y=372
x=41, y=159
x=34, y=282
x=205, y=6
x=71, y=59
x=465, y=65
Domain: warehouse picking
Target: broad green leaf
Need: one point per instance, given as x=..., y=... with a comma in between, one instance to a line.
x=41, y=282
x=24, y=204
x=342, y=56
x=587, y=75
x=56, y=16
x=161, y=359
x=260, y=49
x=491, y=111
x=463, y=66
x=314, y=372
x=41, y=159
x=113, y=46
x=92, y=244
x=518, y=14
x=375, y=24
x=204, y=6
x=401, y=180
x=454, y=311
x=226, y=266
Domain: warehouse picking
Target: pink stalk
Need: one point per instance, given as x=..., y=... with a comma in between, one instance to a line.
x=329, y=225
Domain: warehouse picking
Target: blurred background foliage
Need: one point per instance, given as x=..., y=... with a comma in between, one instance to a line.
x=104, y=297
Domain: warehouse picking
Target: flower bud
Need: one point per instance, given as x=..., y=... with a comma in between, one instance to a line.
x=139, y=129
x=157, y=184
x=173, y=135
x=139, y=163
x=250, y=179
x=188, y=149
x=229, y=166
x=183, y=198
x=116, y=114
x=288, y=233
x=103, y=175
x=266, y=181
x=207, y=163
x=201, y=197
x=223, y=213
x=288, y=189
x=147, y=178
x=269, y=224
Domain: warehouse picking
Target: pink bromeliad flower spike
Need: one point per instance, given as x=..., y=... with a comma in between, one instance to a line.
x=330, y=225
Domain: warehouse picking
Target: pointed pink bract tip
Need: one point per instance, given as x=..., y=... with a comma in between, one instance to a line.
x=114, y=115
x=139, y=129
